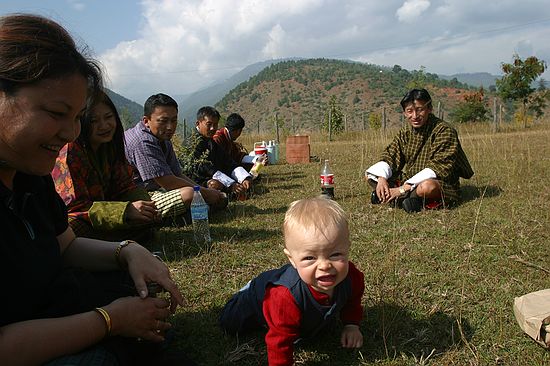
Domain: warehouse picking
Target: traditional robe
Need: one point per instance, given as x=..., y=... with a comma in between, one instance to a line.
x=435, y=146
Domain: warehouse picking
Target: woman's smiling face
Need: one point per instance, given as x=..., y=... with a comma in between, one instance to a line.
x=38, y=120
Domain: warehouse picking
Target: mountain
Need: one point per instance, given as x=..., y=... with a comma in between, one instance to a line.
x=476, y=79
x=214, y=93
x=298, y=92
x=130, y=112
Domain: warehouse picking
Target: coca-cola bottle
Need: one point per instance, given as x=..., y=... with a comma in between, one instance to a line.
x=327, y=181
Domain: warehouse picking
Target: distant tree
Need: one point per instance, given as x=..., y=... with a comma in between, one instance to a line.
x=126, y=118
x=542, y=84
x=516, y=83
x=334, y=112
x=375, y=121
x=397, y=69
x=537, y=102
x=472, y=108
x=419, y=79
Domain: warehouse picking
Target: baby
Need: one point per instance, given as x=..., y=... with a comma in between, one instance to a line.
x=299, y=299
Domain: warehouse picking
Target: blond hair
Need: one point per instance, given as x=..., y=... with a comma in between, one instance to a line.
x=317, y=214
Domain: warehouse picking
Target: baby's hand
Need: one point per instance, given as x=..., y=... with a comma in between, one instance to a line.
x=351, y=336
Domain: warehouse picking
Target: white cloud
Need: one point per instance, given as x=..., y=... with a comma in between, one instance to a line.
x=184, y=45
x=76, y=5
x=411, y=10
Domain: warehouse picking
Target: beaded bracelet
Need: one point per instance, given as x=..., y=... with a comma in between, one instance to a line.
x=107, y=318
x=119, y=249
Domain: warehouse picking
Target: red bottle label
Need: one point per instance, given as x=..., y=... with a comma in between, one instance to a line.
x=327, y=180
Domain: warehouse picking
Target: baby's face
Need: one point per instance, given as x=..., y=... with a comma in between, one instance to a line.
x=321, y=259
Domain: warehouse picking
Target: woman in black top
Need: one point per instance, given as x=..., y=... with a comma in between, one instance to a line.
x=46, y=312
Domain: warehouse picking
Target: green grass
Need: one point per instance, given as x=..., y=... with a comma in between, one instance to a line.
x=439, y=285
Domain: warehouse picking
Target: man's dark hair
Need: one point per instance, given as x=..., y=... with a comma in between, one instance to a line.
x=416, y=94
x=234, y=122
x=207, y=111
x=158, y=100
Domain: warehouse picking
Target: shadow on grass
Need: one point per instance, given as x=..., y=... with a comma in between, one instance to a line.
x=281, y=177
x=177, y=243
x=199, y=335
x=392, y=331
x=469, y=192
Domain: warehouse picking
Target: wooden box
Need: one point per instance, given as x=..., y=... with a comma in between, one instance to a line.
x=297, y=149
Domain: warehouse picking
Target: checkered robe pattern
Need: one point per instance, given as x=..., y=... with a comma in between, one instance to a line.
x=434, y=145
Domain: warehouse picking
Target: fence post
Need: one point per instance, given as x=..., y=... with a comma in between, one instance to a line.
x=330, y=125
x=494, y=114
x=258, y=127
x=184, y=129
x=439, y=110
x=277, y=126
x=384, y=120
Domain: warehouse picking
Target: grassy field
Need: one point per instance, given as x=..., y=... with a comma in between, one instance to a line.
x=440, y=285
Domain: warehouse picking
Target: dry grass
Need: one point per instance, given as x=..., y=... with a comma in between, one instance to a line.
x=439, y=285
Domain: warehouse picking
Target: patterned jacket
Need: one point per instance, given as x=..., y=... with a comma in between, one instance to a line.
x=223, y=138
x=434, y=145
x=94, y=189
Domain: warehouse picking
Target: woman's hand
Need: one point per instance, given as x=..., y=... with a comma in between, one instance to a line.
x=144, y=268
x=139, y=318
x=142, y=212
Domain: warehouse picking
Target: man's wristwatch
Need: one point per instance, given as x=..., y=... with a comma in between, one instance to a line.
x=402, y=190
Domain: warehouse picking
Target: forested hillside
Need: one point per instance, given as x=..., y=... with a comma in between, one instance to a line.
x=299, y=91
x=130, y=112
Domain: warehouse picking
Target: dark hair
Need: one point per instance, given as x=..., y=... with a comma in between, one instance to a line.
x=34, y=48
x=416, y=94
x=158, y=100
x=234, y=122
x=207, y=111
x=86, y=122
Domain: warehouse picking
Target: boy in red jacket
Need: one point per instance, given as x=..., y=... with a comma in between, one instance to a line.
x=301, y=298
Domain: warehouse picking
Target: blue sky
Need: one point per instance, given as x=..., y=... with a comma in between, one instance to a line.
x=180, y=46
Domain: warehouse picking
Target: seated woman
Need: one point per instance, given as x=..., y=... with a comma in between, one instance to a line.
x=94, y=179
x=66, y=300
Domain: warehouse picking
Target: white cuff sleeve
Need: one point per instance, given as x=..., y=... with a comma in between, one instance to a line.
x=248, y=159
x=223, y=179
x=421, y=176
x=380, y=169
x=240, y=174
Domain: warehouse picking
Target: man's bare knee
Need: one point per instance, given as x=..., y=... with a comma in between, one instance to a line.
x=429, y=188
x=186, y=195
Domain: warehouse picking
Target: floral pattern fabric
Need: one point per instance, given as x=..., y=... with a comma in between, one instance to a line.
x=95, y=190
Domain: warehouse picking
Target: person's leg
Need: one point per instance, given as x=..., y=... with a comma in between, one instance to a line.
x=217, y=185
x=429, y=189
x=238, y=316
x=173, y=203
x=94, y=356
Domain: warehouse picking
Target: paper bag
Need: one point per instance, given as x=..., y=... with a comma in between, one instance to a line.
x=532, y=312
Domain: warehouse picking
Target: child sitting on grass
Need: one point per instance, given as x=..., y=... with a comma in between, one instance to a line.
x=301, y=298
